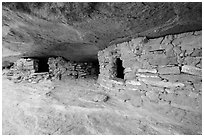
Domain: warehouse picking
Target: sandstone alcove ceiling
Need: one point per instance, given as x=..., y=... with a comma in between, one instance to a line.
x=77, y=31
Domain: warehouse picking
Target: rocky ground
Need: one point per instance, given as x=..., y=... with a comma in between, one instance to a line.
x=76, y=106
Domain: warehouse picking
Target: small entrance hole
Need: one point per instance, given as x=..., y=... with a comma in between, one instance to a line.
x=42, y=65
x=120, y=69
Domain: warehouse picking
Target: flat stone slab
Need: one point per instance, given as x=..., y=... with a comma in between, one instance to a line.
x=95, y=97
x=147, y=70
x=191, y=70
x=147, y=75
x=127, y=70
x=161, y=83
x=133, y=82
x=169, y=70
x=41, y=73
x=100, y=98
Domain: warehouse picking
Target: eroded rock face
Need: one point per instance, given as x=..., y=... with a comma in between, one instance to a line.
x=77, y=31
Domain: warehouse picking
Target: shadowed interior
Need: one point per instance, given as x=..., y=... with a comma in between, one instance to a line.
x=120, y=68
x=42, y=65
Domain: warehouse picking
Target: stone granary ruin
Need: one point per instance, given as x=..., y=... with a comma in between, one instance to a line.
x=102, y=68
x=36, y=69
x=162, y=72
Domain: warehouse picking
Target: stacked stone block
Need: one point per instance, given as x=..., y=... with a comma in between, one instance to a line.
x=25, y=70
x=26, y=65
x=164, y=71
x=59, y=68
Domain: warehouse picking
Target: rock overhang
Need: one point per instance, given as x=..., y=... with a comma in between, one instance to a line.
x=59, y=29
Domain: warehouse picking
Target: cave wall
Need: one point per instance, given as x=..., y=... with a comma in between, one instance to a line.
x=162, y=74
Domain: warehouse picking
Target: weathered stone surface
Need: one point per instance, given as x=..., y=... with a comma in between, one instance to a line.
x=147, y=75
x=168, y=70
x=190, y=42
x=169, y=51
x=131, y=87
x=133, y=82
x=199, y=65
x=124, y=96
x=168, y=97
x=193, y=119
x=136, y=101
x=126, y=51
x=198, y=86
x=192, y=61
x=177, y=50
x=153, y=96
x=191, y=70
x=147, y=70
x=100, y=98
x=197, y=53
x=159, y=59
x=117, y=81
x=156, y=79
x=129, y=62
x=193, y=95
x=176, y=113
x=172, y=60
x=59, y=67
x=26, y=64
x=127, y=70
x=161, y=83
x=154, y=88
x=169, y=91
x=182, y=78
x=154, y=44
x=129, y=75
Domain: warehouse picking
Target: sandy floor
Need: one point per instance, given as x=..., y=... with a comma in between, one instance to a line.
x=67, y=107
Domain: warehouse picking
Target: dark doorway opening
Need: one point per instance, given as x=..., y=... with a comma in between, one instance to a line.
x=120, y=68
x=42, y=65
x=96, y=67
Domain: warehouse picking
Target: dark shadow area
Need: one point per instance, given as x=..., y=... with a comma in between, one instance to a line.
x=42, y=65
x=7, y=64
x=120, y=69
x=96, y=66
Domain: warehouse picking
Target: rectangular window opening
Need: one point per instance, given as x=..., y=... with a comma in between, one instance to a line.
x=119, y=69
x=43, y=65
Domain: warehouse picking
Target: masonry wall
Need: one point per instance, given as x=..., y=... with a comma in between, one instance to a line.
x=60, y=68
x=26, y=65
x=162, y=74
